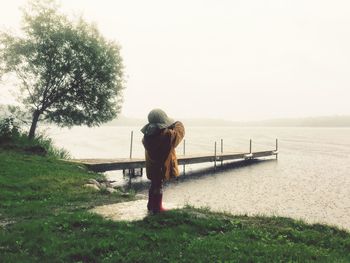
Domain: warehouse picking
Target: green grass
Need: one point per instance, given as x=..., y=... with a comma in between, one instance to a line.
x=47, y=205
x=20, y=143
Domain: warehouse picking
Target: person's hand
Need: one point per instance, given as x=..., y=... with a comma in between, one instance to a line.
x=172, y=126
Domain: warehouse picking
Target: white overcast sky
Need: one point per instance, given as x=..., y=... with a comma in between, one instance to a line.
x=235, y=60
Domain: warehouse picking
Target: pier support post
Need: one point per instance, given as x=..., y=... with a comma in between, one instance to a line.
x=222, y=150
x=131, y=171
x=215, y=156
x=129, y=181
x=131, y=140
x=276, y=149
x=250, y=146
x=184, y=153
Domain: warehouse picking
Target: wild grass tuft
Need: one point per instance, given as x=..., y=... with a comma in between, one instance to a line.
x=13, y=137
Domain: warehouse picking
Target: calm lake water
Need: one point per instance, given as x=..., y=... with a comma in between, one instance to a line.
x=310, y=180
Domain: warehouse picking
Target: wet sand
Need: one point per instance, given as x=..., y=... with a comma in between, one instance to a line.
x=126, y=211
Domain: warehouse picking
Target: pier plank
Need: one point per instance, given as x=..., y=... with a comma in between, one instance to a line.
x=103, y=165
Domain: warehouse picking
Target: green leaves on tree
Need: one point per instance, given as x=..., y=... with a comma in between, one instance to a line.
x=69, y=73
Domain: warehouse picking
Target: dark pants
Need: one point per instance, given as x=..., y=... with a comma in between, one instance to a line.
x=155, y=195
x=156, y=186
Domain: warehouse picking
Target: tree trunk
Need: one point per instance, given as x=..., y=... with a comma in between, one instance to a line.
x=36, y=115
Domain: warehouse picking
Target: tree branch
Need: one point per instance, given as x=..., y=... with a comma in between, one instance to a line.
x=27, y=87
x=49, y=82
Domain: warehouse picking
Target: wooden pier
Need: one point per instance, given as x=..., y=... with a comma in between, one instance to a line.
x=130, y=164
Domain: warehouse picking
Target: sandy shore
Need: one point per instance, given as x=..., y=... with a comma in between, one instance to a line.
x=126, y=211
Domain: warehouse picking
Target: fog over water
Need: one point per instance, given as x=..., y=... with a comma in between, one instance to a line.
x=235, y=60
x=310, y=180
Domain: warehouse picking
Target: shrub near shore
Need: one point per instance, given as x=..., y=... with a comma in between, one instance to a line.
x=44, y=218
x=12, y=137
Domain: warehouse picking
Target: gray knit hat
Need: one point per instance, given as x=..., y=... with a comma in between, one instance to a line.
x=157, y=120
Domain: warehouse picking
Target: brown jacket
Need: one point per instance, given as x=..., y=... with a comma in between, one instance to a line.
x=161, y=161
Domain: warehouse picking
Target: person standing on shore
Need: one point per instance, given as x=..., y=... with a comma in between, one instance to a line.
x=161, y=136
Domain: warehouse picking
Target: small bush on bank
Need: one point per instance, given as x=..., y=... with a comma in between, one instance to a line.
x=8, y=129
x=13, y=137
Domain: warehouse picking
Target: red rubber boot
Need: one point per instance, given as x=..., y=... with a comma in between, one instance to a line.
x=157, y=204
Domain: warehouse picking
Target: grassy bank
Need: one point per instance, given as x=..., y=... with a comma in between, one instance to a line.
x=44, y=218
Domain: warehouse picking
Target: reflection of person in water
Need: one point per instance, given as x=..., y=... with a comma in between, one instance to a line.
x=161, y=136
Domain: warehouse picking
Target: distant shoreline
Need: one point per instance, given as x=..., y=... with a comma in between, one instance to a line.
x=335, y=121
x=319, y=122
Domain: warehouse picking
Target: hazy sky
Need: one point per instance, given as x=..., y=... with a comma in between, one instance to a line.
x=235, y=60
